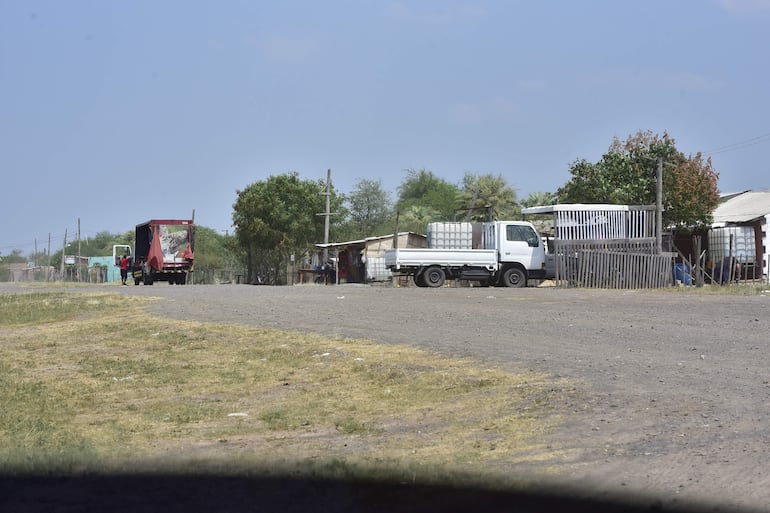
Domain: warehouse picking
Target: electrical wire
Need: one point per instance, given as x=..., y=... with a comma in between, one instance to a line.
x=738, y=145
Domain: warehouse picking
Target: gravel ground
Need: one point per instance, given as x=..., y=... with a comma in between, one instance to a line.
x=676, y=386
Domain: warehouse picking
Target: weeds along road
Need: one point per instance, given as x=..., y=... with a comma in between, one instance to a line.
x=676, y=384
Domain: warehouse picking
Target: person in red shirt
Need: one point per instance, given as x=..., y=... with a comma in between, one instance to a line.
x=123, y=263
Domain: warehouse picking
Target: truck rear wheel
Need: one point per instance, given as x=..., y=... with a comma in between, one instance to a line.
x=434, y=276
x=514, y=277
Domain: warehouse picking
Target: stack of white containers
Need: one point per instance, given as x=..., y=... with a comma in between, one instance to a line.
x=375, y=267
x=445, y=235
x=739, y=239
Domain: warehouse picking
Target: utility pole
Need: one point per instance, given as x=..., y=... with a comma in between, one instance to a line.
x=395, y=231
x=327, y=213
x=78, y=258
x=659, y=207
x=48, y=268
x=189, y=277
x=63, y=251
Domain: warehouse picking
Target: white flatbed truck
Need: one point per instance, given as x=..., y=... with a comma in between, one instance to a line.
x=512, y=253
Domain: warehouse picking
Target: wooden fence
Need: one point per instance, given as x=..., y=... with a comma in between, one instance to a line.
x=611, y=265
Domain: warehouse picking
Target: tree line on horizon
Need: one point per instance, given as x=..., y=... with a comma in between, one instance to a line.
x=278, y=217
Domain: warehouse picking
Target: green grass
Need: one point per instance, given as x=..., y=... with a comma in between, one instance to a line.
x=40, y=307
x=92, y=382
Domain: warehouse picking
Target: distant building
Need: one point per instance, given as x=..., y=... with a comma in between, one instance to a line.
x=363, y=260
x=739, y=230
x=102, y=269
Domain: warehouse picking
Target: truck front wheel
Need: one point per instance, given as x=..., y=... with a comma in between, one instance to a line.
x=514, y=277
x=434, y=276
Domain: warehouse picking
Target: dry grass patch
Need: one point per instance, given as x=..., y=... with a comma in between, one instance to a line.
x=733, y=289
x=96, y=383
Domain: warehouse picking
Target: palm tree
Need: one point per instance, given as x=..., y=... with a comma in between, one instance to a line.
x=483, y=193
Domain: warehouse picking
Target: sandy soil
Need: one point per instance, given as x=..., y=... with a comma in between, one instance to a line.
x=675, y=391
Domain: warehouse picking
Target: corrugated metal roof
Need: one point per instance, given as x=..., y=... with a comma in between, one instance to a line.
x=583, y=207
x=743, y=208
x=363, y=241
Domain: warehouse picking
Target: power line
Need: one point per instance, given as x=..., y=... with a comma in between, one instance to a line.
x=56, y=241
x=738, y=145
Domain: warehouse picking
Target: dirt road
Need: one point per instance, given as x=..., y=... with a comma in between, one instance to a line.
x=675, y=386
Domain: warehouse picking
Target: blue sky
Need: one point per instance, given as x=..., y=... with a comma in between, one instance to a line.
x=117, y=112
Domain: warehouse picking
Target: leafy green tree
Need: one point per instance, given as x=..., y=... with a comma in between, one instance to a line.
x=535, y=199
x=424, y=189
x=276, y=218
x=690, y=191
x=210, y=251
x=481, y=194
x=98, y=245
x=15, y=257
x=369, y=209
x=626, y=175
x=416, y=219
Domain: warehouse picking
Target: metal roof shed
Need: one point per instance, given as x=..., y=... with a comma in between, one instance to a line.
x=743, y=208
x=600, y=222
x=606, y=246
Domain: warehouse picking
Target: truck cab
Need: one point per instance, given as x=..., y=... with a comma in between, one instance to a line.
x=520, y=251
x=514, y=242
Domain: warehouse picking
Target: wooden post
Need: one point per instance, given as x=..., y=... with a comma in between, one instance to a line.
x=189, y=279
x=395, y=278
x=395, y=231
x=63, y=252
x=659, y=207
x=48, y=269
x=698, y=271
x=327, y=214
x=77, y=261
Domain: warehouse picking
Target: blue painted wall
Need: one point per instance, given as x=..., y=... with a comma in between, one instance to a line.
x=113, y=271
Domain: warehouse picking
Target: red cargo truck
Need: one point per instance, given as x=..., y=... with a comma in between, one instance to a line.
x=163, y=251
